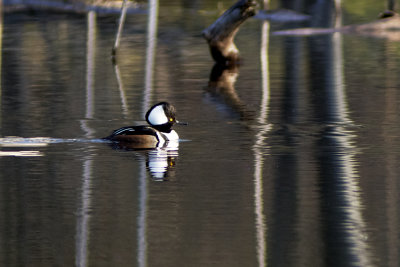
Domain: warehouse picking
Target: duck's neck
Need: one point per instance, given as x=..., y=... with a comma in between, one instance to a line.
x=165, y=128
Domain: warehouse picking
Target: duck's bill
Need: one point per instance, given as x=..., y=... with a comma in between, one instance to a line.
x=181, y=123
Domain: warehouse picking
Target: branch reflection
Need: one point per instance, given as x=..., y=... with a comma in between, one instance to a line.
x=259, y=148
x=83, y=218
x=221, y=87
x=342, y=205
x=343, y=224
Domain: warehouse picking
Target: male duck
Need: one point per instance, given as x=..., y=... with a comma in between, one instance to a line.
x=161, y=118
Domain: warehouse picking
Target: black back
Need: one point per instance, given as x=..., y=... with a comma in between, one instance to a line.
x=133, y=130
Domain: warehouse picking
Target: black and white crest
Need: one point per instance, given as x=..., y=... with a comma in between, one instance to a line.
x=161, y=114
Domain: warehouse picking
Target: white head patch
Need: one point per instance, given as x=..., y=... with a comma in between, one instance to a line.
x=157, y=116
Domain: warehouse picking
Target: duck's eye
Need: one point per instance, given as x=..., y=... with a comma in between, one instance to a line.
x=171, y=119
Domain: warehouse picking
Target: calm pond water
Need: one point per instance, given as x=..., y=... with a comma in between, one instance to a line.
x=289, y=160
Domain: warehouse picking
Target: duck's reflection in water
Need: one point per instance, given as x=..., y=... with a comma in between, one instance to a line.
x=160, y=160
x=161, y=163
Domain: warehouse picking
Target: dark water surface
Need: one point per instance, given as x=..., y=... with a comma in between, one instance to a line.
x=290, y=160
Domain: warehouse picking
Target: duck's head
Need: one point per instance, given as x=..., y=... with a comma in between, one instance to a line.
x=161, y=116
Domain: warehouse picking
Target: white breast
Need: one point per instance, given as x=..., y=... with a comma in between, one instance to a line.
x=171, y=136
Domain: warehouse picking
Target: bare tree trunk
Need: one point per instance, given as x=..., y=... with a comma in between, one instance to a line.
x=221, y=33
x=391, y=5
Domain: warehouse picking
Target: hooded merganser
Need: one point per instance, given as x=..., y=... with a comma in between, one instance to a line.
x=161, y=118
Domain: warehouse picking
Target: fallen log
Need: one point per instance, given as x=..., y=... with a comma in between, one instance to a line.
x=282, y=16
x=78, y=7
x=387, y=27
x=221, y=33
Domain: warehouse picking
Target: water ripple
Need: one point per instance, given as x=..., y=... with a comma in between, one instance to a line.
x=34, y=142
